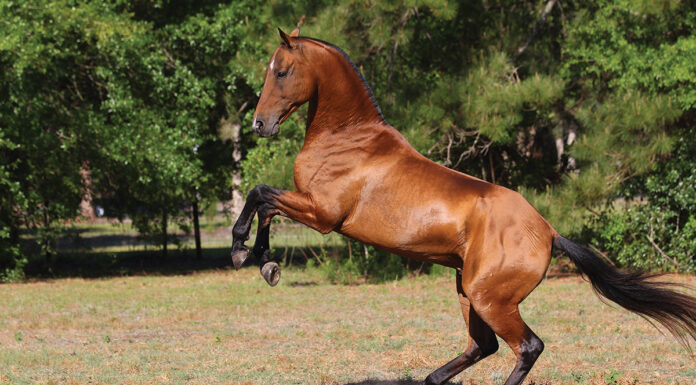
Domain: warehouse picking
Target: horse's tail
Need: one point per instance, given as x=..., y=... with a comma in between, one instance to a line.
x=637, y=292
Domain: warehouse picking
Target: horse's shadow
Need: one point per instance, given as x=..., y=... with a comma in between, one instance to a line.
x=391, y=382
x=406, y=382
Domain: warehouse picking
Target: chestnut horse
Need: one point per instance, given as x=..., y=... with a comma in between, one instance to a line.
x=358, y=176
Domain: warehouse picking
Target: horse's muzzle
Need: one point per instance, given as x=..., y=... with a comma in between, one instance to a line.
x=264, y=130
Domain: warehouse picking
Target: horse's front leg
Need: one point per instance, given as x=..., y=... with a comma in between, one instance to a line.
x=269, y=201
x=240, y=231
x=270, y=270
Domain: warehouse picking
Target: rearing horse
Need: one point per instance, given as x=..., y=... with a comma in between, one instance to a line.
x=358, y=176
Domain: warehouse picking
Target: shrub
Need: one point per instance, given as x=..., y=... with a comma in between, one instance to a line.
x=655, y=229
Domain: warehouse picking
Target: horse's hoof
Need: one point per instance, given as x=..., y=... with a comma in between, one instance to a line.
x=431, y=381
x=271, y=273
x=239, y=256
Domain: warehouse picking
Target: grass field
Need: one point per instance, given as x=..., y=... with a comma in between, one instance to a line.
x=228, y=327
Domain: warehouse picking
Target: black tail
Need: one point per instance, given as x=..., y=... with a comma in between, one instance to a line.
x=637, y=292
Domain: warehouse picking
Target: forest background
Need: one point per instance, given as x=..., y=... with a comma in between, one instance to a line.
x=144, y=108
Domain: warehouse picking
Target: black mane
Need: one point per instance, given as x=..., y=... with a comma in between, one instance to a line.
x=357, y=72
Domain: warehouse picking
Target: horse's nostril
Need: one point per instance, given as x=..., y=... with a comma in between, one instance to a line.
x=258, y=125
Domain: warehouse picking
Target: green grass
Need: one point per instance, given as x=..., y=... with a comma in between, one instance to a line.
x=228, y=327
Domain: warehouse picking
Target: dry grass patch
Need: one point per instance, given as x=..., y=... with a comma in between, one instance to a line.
x=227, y=327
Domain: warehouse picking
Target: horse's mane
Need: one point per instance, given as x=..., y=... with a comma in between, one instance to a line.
x=355, y=68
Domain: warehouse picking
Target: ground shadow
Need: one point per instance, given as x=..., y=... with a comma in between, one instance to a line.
x=88, y=264
x=303, y=284
x=387, y=382
x=412, y=382
x=392, y=382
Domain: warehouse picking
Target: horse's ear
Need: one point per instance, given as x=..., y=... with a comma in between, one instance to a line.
x=295, y=32
x=286, y=38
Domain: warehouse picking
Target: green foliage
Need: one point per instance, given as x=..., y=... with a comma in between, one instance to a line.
x=655, y=228
x=626, y=135
x=10, y=255
x=631, y=87
x=270, y=162
x=15, y=272
x=100, y=98
x=627, y=121
x=498, y=100
x=623, y=45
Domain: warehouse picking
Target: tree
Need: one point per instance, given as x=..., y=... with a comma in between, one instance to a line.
x=101, y=87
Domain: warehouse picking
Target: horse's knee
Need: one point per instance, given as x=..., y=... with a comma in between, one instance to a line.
x=256, y=195
x=263, y=193
x=255, y=192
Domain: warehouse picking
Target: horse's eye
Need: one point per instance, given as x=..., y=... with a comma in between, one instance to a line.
x=281, y=74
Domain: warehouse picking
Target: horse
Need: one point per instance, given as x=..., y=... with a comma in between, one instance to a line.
x=358, y=176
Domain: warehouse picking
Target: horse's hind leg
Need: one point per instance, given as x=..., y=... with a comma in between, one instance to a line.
x=482, y=343
x=505, y=320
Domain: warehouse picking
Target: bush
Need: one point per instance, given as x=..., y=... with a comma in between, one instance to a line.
x=656, y=228
x=646, y=237
x=12, y=261
x=14, y=273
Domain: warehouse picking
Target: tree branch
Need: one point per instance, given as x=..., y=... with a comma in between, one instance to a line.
x=650, y=239
x=542, y=20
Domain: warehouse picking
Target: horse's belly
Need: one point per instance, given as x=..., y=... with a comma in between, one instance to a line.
x=411, y=231
x=426, y=250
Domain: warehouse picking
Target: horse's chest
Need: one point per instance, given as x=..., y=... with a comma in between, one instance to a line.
x=307, y=172
x=301, y=177
x=317, y=173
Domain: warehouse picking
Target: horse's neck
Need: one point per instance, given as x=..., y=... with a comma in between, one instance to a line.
x=342, y=118
x=341, y=102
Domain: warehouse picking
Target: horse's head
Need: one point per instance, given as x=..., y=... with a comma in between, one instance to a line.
x=288, y=85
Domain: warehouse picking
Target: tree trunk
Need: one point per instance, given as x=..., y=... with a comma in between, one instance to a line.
x=542, y=20
x=237, y=198
x=164, y=233
x=196, y=229
x=47, y=244
x=230, y=129
x=86, y=208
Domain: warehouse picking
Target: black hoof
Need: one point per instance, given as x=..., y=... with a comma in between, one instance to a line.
x=239, y=256
x=431, y=381
x=271, y=273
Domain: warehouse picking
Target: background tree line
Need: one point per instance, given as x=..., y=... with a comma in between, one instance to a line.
x=586, y=108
